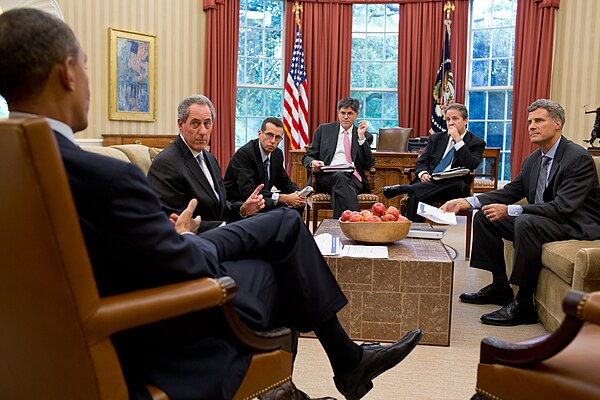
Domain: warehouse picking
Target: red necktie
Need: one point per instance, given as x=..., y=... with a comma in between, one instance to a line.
x=348, y=152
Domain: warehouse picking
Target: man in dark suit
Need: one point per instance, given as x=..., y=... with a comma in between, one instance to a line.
x=132, y=244
x=336, y=143
x=560, y=184
x=186, y=170
x=456, y=148
x=261, y=161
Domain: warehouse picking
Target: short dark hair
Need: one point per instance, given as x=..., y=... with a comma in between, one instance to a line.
x=32, y=43
x=271, y=120
x=183, y=110
x=460, y=107
x=348, y=102
x=555, y=110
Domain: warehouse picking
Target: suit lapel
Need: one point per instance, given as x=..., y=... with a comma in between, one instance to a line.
x=331, y=140
x=193, y=166
x=259, y=162
x=557, y=159
x=533, y=177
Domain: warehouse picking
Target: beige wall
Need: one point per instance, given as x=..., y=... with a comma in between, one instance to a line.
x=179, y=56
x=576, y=67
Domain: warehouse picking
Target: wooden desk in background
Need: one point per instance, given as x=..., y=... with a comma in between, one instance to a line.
x=389, y=167
x=160, y=141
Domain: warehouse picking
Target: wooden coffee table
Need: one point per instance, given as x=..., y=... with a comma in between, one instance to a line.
x=389, y=297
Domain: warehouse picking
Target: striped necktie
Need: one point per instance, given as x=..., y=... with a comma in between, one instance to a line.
x=542, y=180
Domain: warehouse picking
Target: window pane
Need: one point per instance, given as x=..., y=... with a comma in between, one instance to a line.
x=479, y=73
x=240, y=132
x=390, y=75
x=376, y=18
x=481, y=44
x=256, y=100
x=508, y=136
x=254, y=71
x=273, y=44
x=358, y=46
x=509, y=106
x=501, y=42
x=496, y=109
x=273, y=102
x=254, y=45
x=273, y=73
x=255, y=13
x=390, y=106
x=495, y=134
x=477, y=128
x=375, y=47
x=499, y=73
x=359, y=18
x=242, y=42
x=505, y=170
x=357, y=75
x=241, y=71
x=477, y=105
x=274, y=15
x=374, y=75
x=373, y=108
x=502, y=13
x=240, y=101
x=391, y=47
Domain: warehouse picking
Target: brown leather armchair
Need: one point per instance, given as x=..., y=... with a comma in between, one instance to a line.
x=561, y=365
x=393, y=139
x=55, y=338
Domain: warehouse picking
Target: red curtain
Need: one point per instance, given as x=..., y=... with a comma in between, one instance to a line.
x=222, y=27
x=533, y=69
x=419, y=48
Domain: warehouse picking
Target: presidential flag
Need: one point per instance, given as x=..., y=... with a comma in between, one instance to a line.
x=295, y=99
x=443, y=90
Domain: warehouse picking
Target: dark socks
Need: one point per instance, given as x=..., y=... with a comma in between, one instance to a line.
x=408, y=189
x=344, y=355
x=500, y=280
x=525, y=297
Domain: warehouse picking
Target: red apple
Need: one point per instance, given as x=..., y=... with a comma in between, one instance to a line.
x=388, y=218
x=378, y=209
x=346, y=215
x=402, y=218
x=393, y=211
x=374, y=218
x=355, y=218
x=366, y=214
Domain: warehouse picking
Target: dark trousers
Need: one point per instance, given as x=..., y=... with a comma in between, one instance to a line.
x=527, y=232
x=343, y=187
x=430, y=192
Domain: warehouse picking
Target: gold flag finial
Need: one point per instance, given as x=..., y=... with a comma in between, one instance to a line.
x=297, y=9
x=448, y=8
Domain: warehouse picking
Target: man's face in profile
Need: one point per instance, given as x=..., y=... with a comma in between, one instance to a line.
x=197, y=128
x=347, y=116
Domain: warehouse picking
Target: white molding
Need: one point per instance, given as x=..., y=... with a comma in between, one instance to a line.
x=90, y=142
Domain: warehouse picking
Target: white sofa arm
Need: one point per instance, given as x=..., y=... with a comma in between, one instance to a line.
x=586, y=275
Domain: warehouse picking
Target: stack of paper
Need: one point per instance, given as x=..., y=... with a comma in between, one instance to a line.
x=451, y=173
x=330, y=245
x=344, y=167
x=436, y=215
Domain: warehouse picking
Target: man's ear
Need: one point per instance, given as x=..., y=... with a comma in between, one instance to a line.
x=66, y=73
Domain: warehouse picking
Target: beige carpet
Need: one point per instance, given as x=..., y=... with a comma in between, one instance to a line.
x=429, y=372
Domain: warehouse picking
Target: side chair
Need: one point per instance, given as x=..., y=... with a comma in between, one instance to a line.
x=55, y=341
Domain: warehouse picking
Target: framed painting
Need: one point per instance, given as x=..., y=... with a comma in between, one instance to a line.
x=132, y=83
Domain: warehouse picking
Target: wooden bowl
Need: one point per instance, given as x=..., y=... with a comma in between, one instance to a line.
x=375, y=232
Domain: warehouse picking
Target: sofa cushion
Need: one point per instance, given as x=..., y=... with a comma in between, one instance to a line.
x=107, y=151
x=559, y=257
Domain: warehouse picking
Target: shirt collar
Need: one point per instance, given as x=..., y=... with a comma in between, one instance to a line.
x=55, y=125
x=552, y=152
x=194, y=152
x=263, y=154
x=349, y=130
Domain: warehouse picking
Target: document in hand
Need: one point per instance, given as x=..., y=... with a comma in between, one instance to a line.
x=451, y=173
x=436, y=215
x=344, y=167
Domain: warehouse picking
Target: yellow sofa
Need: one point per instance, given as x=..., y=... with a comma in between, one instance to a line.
x=566, y=265
x=138, y=154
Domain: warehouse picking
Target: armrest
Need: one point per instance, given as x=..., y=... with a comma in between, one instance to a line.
x=129, y=310
x=578, y=307
x=586, y=274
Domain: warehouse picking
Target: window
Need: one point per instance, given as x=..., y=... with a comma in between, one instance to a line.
x=490, y=75
x=260, y=74
x=374, y=74
x=3, y=108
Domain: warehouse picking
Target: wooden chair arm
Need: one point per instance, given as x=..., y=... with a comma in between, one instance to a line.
x=577, y=305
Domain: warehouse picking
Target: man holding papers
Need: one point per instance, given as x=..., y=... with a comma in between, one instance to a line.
x=458, y=148
x=341, y=143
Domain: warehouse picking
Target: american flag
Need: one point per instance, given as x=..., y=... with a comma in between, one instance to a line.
x=443, y=90
x=295, y=100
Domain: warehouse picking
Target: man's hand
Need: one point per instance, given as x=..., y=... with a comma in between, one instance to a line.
x=184, y=221
x=425, y=177
x=495, y=212
x=456, y=205
x=362, y=129
x=254, y=203
x=292, y=200
x=315, y=165
x=453, y=133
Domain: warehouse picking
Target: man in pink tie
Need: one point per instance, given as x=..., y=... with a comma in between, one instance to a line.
x=338, y=143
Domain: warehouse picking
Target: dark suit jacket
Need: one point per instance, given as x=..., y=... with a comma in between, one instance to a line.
x=176, y=177
x=323, y=145
x=468, y=156
x=571, y=197
x=245, y=172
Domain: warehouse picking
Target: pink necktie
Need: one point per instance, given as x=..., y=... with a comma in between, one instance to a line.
x=347, y=150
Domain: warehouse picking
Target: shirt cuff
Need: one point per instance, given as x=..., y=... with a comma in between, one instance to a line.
x=275, y=197
x=421, y=174
x=360, y=142
x=474, y=202
x=514, y=210
x=458, y=145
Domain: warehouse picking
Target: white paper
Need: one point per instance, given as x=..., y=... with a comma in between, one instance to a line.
x=353, y=250
x=436, y=215
x=328, y=244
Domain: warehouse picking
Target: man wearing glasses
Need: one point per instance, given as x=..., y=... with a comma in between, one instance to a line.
x=187, y=170
x=338, y=143
x=261, y=161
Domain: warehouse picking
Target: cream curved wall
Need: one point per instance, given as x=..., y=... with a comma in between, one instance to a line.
x=576, y=65
x=179, y=55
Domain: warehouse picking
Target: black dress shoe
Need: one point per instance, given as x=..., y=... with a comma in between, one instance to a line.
x=489, y=295
x=393, y=191
x=376, y=359
x=289, y=391
x=512, y=314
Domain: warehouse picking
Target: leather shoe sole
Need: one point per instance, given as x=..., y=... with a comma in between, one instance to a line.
x=512, y=314
x=376, y=359
x=489, y=295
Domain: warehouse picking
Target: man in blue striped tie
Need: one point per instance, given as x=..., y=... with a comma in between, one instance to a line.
x=455, y=148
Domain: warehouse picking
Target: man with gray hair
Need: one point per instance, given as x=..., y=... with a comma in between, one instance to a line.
x=187, y=170
x=560, y=184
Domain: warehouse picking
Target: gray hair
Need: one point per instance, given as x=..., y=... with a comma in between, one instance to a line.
x=555, y=110
x=32, y=42
x=183, y=110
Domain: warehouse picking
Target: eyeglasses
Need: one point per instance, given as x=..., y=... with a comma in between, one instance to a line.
x=347, y=113
x=270, y=136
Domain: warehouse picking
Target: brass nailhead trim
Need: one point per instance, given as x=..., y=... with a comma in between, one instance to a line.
x=487, y=394
x=268, y=388
x=223, y=294
x=580, y=306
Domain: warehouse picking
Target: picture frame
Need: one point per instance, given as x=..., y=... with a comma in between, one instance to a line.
x=132, y=76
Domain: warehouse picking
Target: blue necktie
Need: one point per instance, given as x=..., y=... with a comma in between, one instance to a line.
x=542, y=180
x=266, y=171
x=446, y=160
